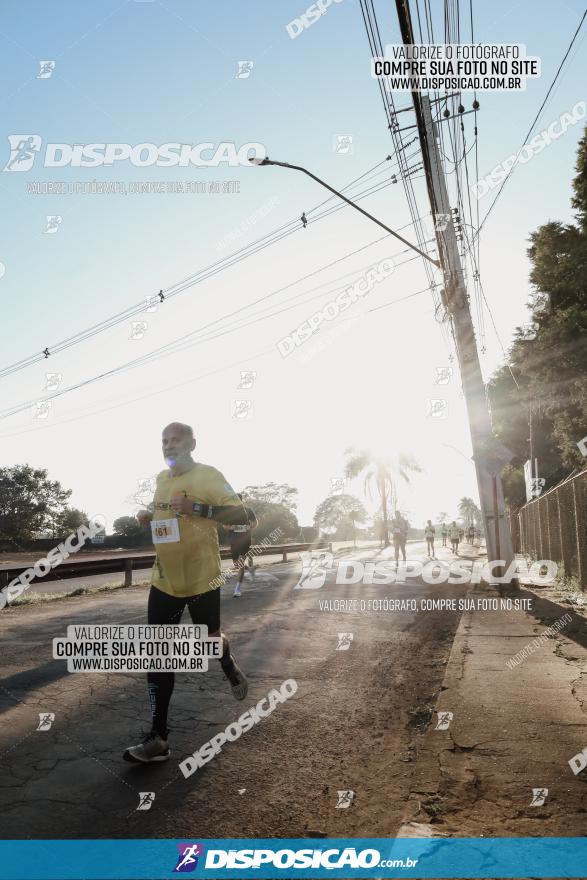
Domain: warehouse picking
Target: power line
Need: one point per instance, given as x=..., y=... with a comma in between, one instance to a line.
x=180, y=344
x=204, y=274
x=525, y=140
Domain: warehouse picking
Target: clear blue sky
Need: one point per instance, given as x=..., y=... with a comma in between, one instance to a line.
x=160, y=72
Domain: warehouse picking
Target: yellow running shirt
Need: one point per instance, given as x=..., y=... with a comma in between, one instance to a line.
x=188, y=559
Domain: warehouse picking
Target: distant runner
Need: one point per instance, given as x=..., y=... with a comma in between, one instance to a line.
x=444, y=533
x=399, y=531
x=240, y=545
x=455, y=535
x=189, y=499
x=471, y=534
x=429, y=533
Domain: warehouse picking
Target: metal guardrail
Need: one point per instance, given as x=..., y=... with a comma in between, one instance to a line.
x=128, y=564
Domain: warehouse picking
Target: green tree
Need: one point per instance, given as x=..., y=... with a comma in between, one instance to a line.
x=127, y=527
x=71, y=520
x=383, y=474
x=442, y=517
x=30, y=503
x=469, y=511
x=547, y=400
x=338, y=514
x=273, y=493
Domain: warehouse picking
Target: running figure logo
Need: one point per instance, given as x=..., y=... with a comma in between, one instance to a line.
x=187, y=860
x=244, y=69
x=344, y=641
x=46, y=719
x=343, y=144
x=247, y=379
x=47, y=68
x=437, y=408
x=539, y=795
x=344, y=799
x=444, y=719
x=53, y=223
x=53, y=381
x=443, y=375
x=146, y=799
x=23, y=150
x=315, y=565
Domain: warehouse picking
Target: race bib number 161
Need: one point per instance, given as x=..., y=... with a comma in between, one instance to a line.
x=164, y=531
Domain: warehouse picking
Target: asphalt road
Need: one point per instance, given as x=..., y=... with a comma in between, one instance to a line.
x=353, y=724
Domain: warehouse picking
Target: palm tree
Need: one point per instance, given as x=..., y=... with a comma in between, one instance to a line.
x=469, y=511
x=383, y=473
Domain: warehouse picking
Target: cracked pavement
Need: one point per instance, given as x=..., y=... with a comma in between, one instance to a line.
x=514, y=729
x=355, y=722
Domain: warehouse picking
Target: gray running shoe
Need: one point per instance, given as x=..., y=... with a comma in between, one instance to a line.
x=238, y=682
x=152, y=748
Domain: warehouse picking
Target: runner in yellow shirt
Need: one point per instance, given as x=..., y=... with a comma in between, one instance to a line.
x=190, y=498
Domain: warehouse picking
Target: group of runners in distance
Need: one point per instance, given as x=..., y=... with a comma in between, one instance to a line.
x=400, y=526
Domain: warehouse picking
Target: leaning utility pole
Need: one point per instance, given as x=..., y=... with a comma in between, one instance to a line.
x=489, y=456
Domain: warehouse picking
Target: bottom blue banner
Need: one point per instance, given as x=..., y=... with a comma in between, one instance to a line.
x=296, y=857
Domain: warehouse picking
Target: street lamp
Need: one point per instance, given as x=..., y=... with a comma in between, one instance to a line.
x=268, y=161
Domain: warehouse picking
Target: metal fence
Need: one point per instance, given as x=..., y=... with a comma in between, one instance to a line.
x=554, y=526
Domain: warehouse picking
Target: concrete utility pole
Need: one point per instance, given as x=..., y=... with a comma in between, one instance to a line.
x=489, y=456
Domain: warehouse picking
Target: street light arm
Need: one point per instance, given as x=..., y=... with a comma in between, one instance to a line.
x=353, y=205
